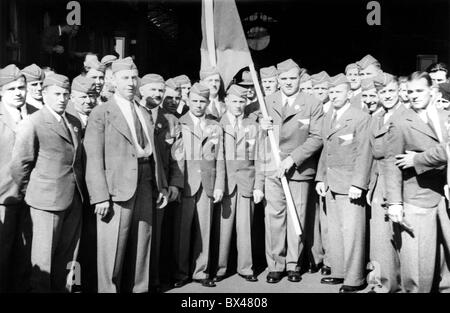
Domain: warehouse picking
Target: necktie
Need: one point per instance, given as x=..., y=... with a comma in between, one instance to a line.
x=284, y=108
x=214, y=109
x=66, y=128
x=141, y=139
x=333, y=120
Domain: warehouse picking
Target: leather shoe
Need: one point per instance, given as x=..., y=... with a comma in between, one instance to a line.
x=325, y=270
x=294, y=276
x=274, y=277
x=216, y=279
x=332, y=281
x=205, y=282
x=251, y=278
x=349, y=289
x=181, y=282
x=313, y=268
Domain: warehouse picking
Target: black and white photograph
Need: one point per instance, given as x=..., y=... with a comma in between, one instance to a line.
x=199, y=150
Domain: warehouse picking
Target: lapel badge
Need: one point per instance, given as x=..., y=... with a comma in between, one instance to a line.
x=159, y=125
x=297, y=107
x=75, y=129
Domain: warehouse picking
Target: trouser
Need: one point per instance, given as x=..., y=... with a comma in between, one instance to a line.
x=346, y=229
x=88, y=249
x=236, y=210
x=444, y=247
x=384, y=255
x=193, y=218
x=418, y=251
x=15, y=248
x=318, y=229
x=124, y=240
x=283, y=247
x=54, y=248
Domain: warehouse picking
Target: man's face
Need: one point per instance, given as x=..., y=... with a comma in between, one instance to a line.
x=155, y=91
x=321, y=91
x=403, y=92
x=126, y=83
x=369, y=72
x=34, y=89
x=419, y=93
x=14, y=93
x=185, y=88
x=251, y=94
x=235, y=104
x=370, y=99
x=197, y=104
x=83, y=102
x=213, y=82
x=442, y=103
x=306, y=87
x=270, y=85
x=389, y=96
x=98, y=77
x=56, y=98
x=354, y=78
x=289, y=81
x=438, y=77
x=108, y=75
x=339, y=95
x=172, y=97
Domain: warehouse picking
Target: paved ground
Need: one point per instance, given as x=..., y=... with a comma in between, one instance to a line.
x=310, y=283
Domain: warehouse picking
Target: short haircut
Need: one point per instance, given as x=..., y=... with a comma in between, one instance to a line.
x=438, y=66
x=419, y=75
x=402, y=79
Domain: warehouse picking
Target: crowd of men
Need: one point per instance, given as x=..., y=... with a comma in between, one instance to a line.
x=113, y=164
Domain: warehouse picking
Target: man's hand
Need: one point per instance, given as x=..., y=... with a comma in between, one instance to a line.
x=320, y=189
x=354, y=193
x=58, y=49
x=173, y=193
x=102, y=208
x=395, y=213
x=162, y=200
x=285, y=166
x=405, y=161
x=258, y=195
x=218, y=195
x=266, y=123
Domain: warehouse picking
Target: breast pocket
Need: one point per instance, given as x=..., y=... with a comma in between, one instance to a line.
x=303, y=123
x=345, y=140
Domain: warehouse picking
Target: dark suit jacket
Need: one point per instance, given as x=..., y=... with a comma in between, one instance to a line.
x=111, y=165
x=346, y=156
x=430, y=159
x=409, y=132
x=48, y=161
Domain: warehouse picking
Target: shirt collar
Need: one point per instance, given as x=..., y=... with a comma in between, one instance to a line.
x=14, y=112
x=290, y=99
x=233, y=119
x=341, y=111
x=56, y=115
x=196, y=119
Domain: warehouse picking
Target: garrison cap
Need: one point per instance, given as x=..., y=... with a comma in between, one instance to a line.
x=268, y=72
x=83, y=84
x=286, y=65
x=320, y=78
x=182, y=79
x=238, y=91
x=108, y=59
x=305, y=77
x=151, y=78
x=382, y=79
x=33, y=73
x=201, y=90
x=123, y=64
x=56, y=80
x=366, y=61
x=172, y=83
x=9, y=74
x=95, y=64
x=337, y=80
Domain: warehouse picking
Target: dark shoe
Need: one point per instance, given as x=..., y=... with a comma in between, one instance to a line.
x=274, y=277
x=349, y=289
x=332, y=281
x=325, y=270
x=313, y=268
x=294, y=276
x=205, y=282
x=251, y=278
x=181, y=282
x=218, y=278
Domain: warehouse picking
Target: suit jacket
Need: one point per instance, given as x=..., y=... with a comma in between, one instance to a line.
x=71, y=110
x=203, y=157
x=346, y=155
x=241, y=157
x=31, y=108
x=298, y=133
x=214, y=114
x=430, y=159
x=48, y=161
x=9, y=190
x=252, y=111
x=356, y=102
x=409, y=132
x=112, y=164
x=167, y=133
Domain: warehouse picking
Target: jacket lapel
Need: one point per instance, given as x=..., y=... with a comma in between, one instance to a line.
x=118, y=120
x=57, y=126
x=420, y=126
x=226, y=125
x=295, y=108
x=71, y=125
x=275, y=109
x=6, y=118
x=342, y=122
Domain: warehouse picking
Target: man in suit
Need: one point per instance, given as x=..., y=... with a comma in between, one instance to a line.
x=172, y=97
x=354, y=77
x=35, y=77
x=245, y=182
x=47, y=163
x=306, y=84
x=320, y=83
x=384, y=256
x=185, y=85
x=297, y=120
x=210, y=77
x=167, y=132
x=413, y=197
x=15, y=227
x=269, y=80
x=96, y=71
x=342, y=177
x=125, y=179
x=204, y=181
x=83, y=99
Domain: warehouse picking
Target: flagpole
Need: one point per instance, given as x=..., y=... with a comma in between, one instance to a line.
x=276, y=153
x=209, y=24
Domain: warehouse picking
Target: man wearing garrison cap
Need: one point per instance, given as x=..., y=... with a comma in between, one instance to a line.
x=108, y=87
x=353, y=76
x=83, y=99
x=204, y=183
x=369, y=67
x=269, y=80
x=96, y=71
x=244, y=187
x=167, y=133
x=320, y=86
x=369, y=97
x=123, y=170
x=15, y=227
x=252, y=106
x=35, y=77
x=47, y=162
x=343, y=177
x=172, y=96
x=296, y=118
x=306, y=84
x=185, y=85
x=211, y=78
